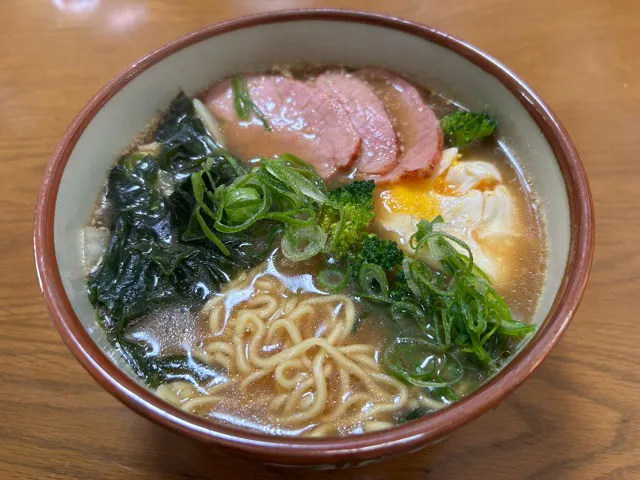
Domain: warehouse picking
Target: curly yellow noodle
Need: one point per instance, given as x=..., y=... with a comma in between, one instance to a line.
x=342, y=408
x=290, y=356
x=254, y=377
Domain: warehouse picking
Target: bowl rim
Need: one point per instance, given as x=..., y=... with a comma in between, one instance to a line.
x=406, y=437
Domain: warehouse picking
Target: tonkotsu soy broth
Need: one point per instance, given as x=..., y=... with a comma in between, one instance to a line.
x=530, y=252
x=252, y=291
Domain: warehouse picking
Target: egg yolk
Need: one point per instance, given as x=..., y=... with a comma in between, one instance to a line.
x=413, y=196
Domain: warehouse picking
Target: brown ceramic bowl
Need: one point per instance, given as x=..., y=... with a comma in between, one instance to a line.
x=430, y=57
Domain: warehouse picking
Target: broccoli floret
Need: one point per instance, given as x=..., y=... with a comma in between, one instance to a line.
x=357, y=193
x=350, y=236
x=377, y=251
x=356, y=200
x=400, y=290
x=381, y=252
x=462, y=128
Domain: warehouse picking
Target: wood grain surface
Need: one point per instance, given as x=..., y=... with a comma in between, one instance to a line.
x=578, y=417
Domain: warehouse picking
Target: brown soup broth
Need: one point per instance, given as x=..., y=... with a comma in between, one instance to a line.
x=180, y=330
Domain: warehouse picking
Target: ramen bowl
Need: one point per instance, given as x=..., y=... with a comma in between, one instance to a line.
x=105, y=126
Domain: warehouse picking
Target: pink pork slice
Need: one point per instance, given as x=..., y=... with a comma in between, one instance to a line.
x=379, y=151
x=415, y=124
x=305, y=121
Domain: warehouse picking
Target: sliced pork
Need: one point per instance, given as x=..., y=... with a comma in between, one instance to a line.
x=379, y=150
x=305, y=121
x=416, y=125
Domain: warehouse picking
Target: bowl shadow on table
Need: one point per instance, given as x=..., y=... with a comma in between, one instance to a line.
x=526, y=435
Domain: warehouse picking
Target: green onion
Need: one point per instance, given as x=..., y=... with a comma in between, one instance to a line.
x=373, y=282
x=305, y=169
x=333, y=280
x=441, y=250
x=291, y=217
x=276, y=190
x=406, y=269
x=297, y=162
x=242, y=203
x=241, y=97
x=514, y=328
x=303, y=243
x=465, y=310
x=408, y=312
x=199, y=191
x=243, y=103
x=235, y=164
x=422, y=363
x=284, y=197
x=242, y=206
x=294, y=180
x=209, y=233
x=337, y=233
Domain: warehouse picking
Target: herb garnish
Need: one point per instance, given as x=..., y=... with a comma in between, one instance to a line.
x=243, y=103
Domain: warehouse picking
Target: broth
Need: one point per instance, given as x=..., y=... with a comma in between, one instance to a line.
x=251, y=398
x=223, y=336
x=530, y=249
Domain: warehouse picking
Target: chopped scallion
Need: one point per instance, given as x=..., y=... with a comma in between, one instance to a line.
x=333, y=280
x=373, y=282
x=243, y=103
x=303, y=243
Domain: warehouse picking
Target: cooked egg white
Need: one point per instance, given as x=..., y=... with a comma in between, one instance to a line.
x=471, y=198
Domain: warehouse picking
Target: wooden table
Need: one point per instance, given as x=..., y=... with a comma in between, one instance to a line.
x=576, y=418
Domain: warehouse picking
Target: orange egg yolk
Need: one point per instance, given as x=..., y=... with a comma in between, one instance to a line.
x=413, y=196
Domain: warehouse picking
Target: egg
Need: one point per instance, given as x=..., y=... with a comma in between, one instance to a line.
x=474, y=174
x=471, y=198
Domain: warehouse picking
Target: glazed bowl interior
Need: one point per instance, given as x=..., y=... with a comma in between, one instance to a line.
x=127, y=105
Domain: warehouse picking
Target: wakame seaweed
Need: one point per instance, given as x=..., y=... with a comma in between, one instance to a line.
x=184, y=139
x=133, y=193
x=186, y=145
x=156, y=255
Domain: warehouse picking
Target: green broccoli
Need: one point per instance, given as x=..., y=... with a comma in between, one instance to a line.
x=462, y=128
x=359, y=192
x=356, y=203
x=377, y=251
x=400, y=290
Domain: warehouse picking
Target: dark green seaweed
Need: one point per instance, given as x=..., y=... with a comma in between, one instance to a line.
x=186, y=145
x=157, y=255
